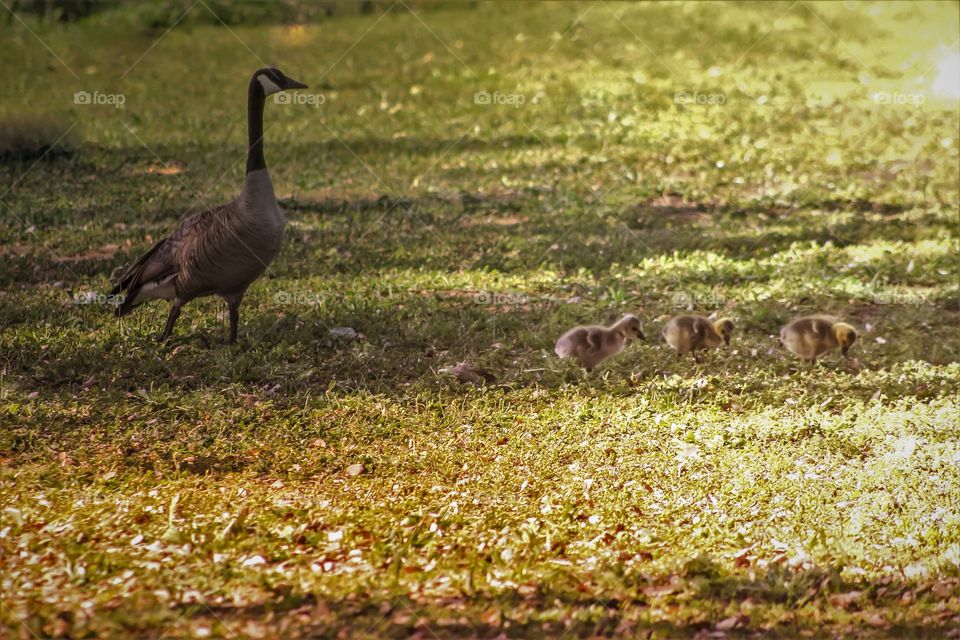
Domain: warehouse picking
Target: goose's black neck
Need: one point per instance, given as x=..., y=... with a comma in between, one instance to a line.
x=255, y=101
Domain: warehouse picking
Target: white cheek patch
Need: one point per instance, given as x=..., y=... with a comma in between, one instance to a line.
x=269, y=86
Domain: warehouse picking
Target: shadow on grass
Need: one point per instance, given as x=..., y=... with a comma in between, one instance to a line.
x=780, y=604
x=408, y=336
x=505, y=231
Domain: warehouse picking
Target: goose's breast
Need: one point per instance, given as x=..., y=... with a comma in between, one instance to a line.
x=231, y=257
x=263, y=231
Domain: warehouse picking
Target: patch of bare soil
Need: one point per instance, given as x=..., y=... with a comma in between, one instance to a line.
x=669, y=208
x=337, y=201
x=105, y=252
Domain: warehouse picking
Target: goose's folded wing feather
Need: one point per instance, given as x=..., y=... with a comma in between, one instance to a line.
x=162, y=262
x=152, y=267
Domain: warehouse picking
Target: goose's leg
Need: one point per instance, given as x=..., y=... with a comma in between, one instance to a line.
x=233, y=306
x=234, y=321
x=171, y=319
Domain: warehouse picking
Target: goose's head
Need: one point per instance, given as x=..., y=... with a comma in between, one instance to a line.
x=846, y=336
x=629, y=326
x=273, y=81
x=724, y=327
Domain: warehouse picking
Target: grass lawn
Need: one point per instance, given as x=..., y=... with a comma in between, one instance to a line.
x=758, y=160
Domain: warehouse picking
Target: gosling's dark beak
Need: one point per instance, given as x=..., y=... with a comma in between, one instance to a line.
x=726, y=340
x=293, y=84
x=640, y=335
x=844, y=350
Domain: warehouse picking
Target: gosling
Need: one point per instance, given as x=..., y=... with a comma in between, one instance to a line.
x=812, y=336
x=688, y=334
x=589, y=346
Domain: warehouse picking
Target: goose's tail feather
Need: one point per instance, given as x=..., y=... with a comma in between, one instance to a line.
x=150, y=277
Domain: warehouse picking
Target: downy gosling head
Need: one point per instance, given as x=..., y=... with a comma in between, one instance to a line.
x=689, y=334
x=812, y=336
x=591, y=345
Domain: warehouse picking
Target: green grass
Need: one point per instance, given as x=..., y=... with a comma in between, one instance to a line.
x=196, y=489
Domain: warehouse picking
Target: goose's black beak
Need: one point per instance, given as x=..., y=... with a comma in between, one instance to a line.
x=726, y=341
x=293, y=84
x=844, y=350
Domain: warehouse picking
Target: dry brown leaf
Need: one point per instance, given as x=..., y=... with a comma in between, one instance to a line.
x=104, y=252
x=844, y=600
x=660, y=590
x=742, y=557
x=943, y=589
x=734, y=621
x=875, y=620
x=172, y=169
x=345, y=333
x=466, y=372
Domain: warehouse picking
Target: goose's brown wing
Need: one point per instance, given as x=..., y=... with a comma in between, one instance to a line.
x=164, y=260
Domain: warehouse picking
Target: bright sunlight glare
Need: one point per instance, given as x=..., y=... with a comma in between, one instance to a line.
x=947, y=84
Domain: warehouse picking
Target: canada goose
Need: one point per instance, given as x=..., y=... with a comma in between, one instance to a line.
x=591, y=345
x=812, y=336
x=688, y=334
x=220, y=251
